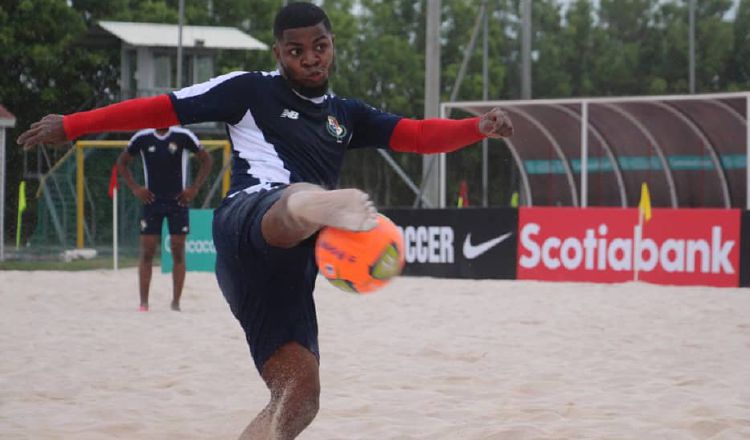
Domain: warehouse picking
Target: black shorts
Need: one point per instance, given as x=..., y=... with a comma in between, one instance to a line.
x=155, y=212
x=269, y=289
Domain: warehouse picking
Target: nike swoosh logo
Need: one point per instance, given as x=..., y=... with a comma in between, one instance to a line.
x=473, y=251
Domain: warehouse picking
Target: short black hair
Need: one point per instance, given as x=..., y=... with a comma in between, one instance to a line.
x=297, y=15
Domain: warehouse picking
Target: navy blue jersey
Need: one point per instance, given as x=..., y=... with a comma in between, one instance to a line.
x=164, y=159
x=279, y=136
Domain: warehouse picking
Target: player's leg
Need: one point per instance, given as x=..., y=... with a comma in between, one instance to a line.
x=304, y=208
x=179, y=225
x=151, y=221
x=177, y=244
x=292, y=377
x=145, y=263
x=269, y=290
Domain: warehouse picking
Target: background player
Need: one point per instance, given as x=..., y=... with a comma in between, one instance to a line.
x=289, y=136
x=164, y=153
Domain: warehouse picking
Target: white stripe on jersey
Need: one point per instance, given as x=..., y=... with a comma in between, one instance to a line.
x=184, y=167
x=199, y=89
x=176, y=129
x=141, y=133
x=145, y=170
x=254, y=188
x=249, y=142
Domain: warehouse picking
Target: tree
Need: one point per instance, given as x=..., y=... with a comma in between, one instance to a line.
x=35, y=37
x=610, y=47
x=578, y=43
x=738, y=66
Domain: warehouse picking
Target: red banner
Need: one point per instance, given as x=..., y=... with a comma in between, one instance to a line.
x=677, y=246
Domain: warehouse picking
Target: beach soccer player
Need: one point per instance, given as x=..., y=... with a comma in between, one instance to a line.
x=165, y=195
x=289, y=137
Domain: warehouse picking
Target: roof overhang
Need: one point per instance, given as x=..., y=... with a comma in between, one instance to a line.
x=166, y=35
x=7, y=120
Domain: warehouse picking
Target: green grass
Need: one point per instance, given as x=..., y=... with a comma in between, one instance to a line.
x=92, y=264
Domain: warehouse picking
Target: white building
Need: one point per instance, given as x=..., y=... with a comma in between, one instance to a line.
x=149, y=53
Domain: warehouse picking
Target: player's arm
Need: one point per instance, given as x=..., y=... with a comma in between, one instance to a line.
x=133, y=114
x=214, y=100
x=123, y=167
x=445, y=135
x=190, y=192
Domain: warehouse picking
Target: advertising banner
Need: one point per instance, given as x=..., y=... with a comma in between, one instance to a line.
x=677, y=246
x=745, y=249
x=459, y=243
x=200, y=254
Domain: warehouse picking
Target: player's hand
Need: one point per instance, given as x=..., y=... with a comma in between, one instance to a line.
x=144, y=195
x=186, y=196
x=48, y=130
x=495, y=124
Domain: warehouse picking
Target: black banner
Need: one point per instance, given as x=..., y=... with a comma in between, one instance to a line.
x=745, y=249
x=459, y=243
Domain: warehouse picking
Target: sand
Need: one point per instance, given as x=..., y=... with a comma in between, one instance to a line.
x=422, y=359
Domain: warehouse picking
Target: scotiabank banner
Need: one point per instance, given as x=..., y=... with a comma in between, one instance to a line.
x=677, y=246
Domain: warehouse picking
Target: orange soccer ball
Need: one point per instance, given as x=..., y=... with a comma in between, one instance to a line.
x=360, y=262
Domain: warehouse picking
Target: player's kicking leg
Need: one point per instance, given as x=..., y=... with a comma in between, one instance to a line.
x=266, y=270
x=292, y=377
x=304, y=208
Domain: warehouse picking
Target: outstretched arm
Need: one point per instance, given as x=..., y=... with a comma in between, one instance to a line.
x=133, y=114
x=446, y=135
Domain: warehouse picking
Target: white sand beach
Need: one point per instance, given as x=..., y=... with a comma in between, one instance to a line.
x=422, y=359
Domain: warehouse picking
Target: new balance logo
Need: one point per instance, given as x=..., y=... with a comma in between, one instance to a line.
x=291, y=114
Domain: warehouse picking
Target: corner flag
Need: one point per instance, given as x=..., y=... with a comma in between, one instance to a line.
x=514, y=200
x=644, y=206
x=463, y=195
x=21, y=209
x=113, y=181
x=22, y=196
x=113, y=195
x=644, y=215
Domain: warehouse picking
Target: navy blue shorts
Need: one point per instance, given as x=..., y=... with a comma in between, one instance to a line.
x=269, y=289
x=155, y=212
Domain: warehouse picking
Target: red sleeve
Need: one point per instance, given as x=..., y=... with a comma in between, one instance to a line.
x=133, y=114
x=434, y=135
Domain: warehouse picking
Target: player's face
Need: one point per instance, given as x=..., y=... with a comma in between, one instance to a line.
x=305, y=56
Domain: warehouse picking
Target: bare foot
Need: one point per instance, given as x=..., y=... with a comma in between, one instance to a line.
x=176, y=307
x=349, y=209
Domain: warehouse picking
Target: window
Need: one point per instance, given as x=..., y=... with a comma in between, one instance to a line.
x=162, y=71
x=204, y=68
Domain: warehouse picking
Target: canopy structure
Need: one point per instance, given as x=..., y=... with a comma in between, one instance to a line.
x=164, y=35
x=691, y=150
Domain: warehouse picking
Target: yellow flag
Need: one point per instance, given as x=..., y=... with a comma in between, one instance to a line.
x=22, y=196
x=644, y=207
x=21, y=209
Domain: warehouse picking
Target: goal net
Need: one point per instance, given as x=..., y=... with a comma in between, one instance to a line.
x=74, y=209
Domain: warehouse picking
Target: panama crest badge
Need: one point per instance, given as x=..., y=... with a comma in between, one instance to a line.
x=335, y=129
x=172, y=147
